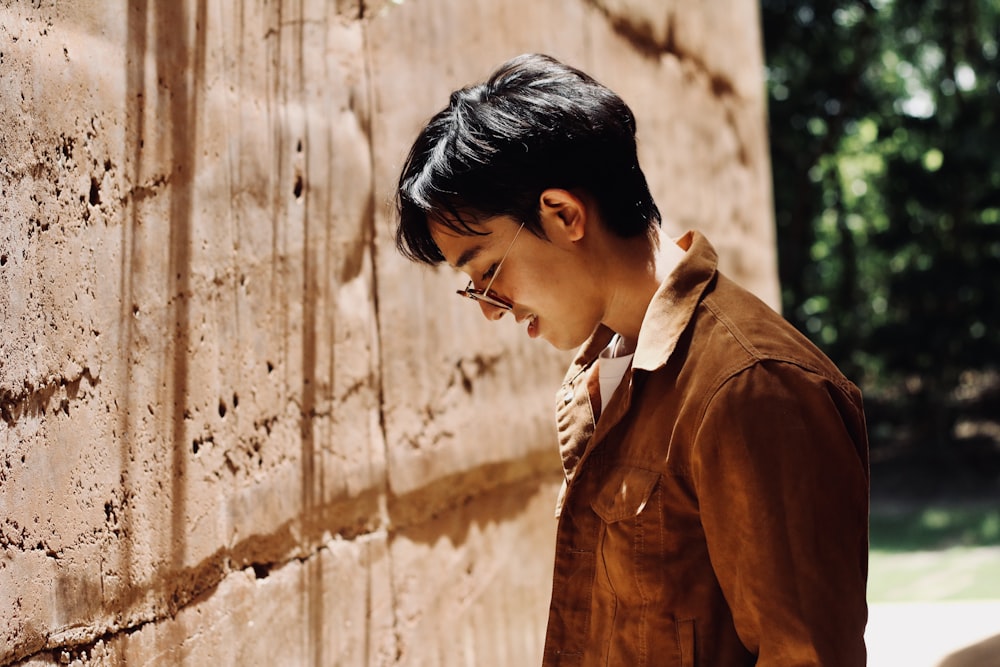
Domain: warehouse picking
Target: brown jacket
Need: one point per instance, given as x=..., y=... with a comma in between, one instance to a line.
x=716, y=514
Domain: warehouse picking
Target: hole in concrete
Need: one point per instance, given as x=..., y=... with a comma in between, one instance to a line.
x=297, y=190
x=222, y=408
x=261, y=570
x=95, y=192
x=195, y=446
x=236, y=401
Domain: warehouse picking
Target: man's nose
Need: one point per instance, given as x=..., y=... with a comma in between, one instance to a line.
x=491, y=312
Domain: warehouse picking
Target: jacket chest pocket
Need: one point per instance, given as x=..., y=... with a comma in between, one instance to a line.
x=628, y=506
x=633, y=572
x=624, y=493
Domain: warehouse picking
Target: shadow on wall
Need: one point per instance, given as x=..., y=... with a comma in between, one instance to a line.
x=984, y=654
x=177, y=51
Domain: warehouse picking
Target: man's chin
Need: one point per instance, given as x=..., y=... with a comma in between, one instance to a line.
x=564, y=345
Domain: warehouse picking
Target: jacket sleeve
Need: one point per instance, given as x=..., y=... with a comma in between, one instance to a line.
x=780, y=465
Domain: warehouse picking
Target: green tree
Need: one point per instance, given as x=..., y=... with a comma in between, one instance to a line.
x=886, y=158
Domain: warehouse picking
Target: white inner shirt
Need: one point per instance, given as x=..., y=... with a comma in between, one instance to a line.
x=614, y=361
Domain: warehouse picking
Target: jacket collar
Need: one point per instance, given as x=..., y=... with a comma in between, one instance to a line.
x=669, y=312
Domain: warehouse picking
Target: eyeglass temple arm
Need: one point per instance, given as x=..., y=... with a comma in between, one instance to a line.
x=500, y=263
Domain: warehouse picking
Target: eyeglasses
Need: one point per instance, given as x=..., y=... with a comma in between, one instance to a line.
x=483, y=295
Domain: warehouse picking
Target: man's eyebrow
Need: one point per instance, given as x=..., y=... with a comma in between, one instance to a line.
x=467, y=256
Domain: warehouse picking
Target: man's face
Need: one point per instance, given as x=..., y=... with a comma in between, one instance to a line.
x=546, y=281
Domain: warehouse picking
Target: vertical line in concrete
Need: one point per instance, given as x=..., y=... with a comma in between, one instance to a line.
x=276, y=103
x=308, y=359
x=371, y=217
x=180, y=52
x=233, y=216
x=172, y=66
x=301, y=190
x=135, y=101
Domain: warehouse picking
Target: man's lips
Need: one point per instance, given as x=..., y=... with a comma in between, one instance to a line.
x=533, y=327
x=532, y=320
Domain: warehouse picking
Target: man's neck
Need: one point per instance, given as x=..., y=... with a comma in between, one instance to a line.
x=642, y=264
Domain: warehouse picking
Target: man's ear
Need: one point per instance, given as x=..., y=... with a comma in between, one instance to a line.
x=563, y=214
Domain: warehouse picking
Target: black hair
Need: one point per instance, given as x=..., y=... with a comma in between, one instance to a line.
x=535, y=124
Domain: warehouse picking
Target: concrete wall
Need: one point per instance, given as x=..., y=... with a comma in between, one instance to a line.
x=236, y=428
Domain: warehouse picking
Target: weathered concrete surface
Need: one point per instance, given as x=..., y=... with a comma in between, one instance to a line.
x=236, y=427
x=471, y=586
x=301, y=612
x=190, y=370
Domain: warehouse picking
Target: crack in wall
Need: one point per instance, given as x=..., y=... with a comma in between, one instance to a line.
x=36, y=400
x=143, y=191
x=372, y=249
x=644, y=37
x=641, y=34
x=13, y=537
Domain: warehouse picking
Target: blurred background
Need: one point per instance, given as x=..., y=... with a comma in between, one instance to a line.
x=885, y=152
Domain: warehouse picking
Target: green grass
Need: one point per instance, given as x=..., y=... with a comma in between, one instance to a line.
x=958, y=573
x=933, y=552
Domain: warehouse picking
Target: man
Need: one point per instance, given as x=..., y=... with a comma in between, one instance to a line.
x=715, y=503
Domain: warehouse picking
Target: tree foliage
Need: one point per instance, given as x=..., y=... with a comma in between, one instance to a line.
x=886, y=159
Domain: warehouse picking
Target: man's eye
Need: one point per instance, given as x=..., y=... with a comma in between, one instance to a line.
x=489, y=272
